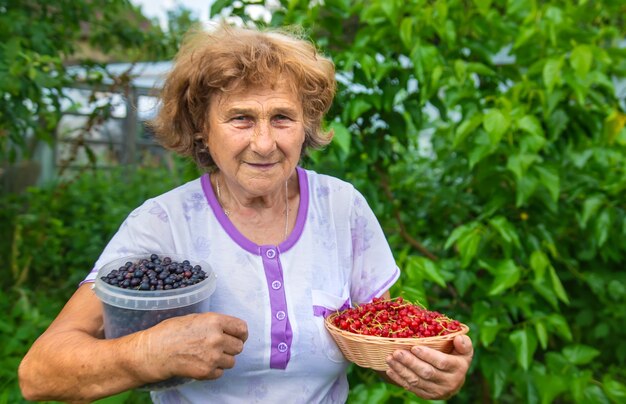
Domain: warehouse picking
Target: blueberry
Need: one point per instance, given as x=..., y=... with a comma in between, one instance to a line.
x=155, y=274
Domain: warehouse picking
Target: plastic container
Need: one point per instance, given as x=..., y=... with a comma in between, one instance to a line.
x=128, y=310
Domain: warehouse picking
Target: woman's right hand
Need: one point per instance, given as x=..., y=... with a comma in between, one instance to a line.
x=199, y=346
x=72, y=362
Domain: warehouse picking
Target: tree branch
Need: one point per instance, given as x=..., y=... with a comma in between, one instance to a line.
x=402, y=228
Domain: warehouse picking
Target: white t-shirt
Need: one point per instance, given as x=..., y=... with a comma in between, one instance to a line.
x=336, y=256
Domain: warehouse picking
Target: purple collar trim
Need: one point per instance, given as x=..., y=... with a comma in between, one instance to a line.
x=239, y=238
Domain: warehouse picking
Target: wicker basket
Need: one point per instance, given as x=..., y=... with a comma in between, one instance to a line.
x=369, y=351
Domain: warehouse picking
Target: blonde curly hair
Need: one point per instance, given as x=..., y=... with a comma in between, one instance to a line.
x=228, y=59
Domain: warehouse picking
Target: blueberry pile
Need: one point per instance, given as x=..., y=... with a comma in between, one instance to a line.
x=147, y=274
x=155, y=274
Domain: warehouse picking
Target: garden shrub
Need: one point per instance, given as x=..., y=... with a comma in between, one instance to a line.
x=51, y=236
x=489, y=137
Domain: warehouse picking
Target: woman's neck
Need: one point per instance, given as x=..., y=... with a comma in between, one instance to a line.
x=266, y=219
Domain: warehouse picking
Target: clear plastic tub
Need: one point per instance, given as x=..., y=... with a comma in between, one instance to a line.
x=129, y=310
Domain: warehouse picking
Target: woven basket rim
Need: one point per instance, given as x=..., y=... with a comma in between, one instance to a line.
x=386, y=340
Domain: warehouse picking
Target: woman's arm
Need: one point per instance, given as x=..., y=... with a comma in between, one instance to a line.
x=428, y=373
x=72, y=362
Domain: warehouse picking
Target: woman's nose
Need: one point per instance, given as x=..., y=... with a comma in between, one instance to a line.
x=263, y=139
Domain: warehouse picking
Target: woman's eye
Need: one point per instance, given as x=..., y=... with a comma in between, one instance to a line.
x=281, y=118
x=241, y=120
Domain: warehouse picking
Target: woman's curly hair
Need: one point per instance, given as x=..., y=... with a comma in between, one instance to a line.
x=227, y=59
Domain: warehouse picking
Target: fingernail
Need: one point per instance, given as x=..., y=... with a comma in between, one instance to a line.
x=416, y=350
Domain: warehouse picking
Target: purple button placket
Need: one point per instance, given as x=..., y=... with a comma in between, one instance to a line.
x=281, y=333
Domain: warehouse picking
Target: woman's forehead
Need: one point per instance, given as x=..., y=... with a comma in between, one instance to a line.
x=281, y=93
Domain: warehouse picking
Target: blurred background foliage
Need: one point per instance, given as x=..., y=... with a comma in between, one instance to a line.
x=488, y=136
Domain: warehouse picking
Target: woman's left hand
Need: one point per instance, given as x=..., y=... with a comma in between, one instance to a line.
x=431, y=374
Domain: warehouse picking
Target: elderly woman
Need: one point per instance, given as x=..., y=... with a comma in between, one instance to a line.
x=287, y=245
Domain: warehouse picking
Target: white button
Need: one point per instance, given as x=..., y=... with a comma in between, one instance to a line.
x=270, y=253
x=280, y=315
x=276, y=285
x=282, y=347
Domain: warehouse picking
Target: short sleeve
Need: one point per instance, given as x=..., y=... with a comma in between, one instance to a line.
x=374, y=269
x=145, y=230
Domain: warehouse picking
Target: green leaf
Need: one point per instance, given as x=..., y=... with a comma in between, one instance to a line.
x=358, y=107
x=435, y=77
x=459, y=232
x=406, y=32
x=580, y=387
x=463, y=280
x=581, y=59
x=557, y=123
x=483, y=5
x=460, y=69
x=613, y=125
x=549, y=178
x=542, y=334
x=506, y=230
x=391, y=9
x=368, y=65
x=542, y=287
x=557, y=285
x=496, y=368
x=428, y=268
x=526, y=187
x=615, y=390
x=524, y=35
x=593, y=394
x=400, y=96
x=551, y=385
x=519, y=163
x=552, y=73
x=507, y=274
x=558, y=323
x=616, y=290
x=532, y=144
x=217, y=7
x=341, y=136
x=539, y=261
x=465, y=128
x=602, y=227
x=496, y=124
x=468, y=246
x=580, y=354
x=530, y=124
x=525, y=345
x=601, y=331
x=489, y=330
x=590, y=208
x=413, y=294
x=377, y=393
x=91, y=156
x=482, y=148
x=581, y=159
x=424, y=57
x=480, y=68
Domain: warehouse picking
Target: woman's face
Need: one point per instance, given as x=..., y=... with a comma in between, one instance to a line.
x=255, y=137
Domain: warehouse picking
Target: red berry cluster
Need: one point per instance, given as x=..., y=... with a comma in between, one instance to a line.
x=395, y=318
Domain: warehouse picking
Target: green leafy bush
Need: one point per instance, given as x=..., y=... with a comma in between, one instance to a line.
x=39, y=39
x=49, y=241
x=489, y=137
